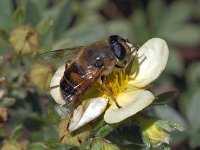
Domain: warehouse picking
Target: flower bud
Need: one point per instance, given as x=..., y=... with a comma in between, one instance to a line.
x=24, y=40
x=156, y=132
x=40, y=75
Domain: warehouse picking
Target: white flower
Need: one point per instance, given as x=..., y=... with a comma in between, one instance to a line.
x=129, y=89
x=152, y=59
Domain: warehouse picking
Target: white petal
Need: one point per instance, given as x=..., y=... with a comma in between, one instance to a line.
x=131, y=102
x=55, y=92
x=152, y=57
x=87, y=111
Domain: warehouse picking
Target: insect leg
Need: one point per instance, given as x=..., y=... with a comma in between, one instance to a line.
x=53, y=87
x=103, y=84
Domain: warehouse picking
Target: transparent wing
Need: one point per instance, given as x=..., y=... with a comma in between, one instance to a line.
x=58, y=58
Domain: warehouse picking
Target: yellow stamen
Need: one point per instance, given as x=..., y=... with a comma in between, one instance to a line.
x=116, y=83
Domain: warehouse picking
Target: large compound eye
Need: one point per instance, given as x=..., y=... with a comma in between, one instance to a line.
x=113, y=38
x=119, y=50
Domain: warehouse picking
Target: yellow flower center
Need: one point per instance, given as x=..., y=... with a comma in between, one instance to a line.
x=115, y=83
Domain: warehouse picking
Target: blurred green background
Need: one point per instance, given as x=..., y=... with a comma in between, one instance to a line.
x=43, y=25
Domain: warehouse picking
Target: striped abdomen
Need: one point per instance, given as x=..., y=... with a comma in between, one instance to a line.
x=71, y=82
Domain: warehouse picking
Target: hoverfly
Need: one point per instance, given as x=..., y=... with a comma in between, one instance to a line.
x=85, y=65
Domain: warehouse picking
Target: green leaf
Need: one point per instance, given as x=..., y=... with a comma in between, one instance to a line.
x=163, y=125
x=37, y=146
x=12, y=145
x=32, y=14
x=184, y=35
x=105, y=130
x=175, y=63
x=44, y=26
x=34, y=121
x=126, y=134
x=132, y=146
x=19, y=16
x=40, y=5
x=165, y=147
x=102, y=144
x=169, y=126
x=53, y=143
x=119, y=27
x=193, y=75
x=169, y=114
x=94, y=5
x=8, y=101
x=175, y=14
x=4, y=35
x=164, y=97
x=157, y=10
x=175, y=126
x=52, y=115
x=139, y=26
x=63, y=19
x=194, y=140
x=85, y=145
x=80, y=35
x=178, y=136
x=2, y=132
x=50, y=132
x=193, y=110
x=16, y=132
x=5, y=13
x=146, y=140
